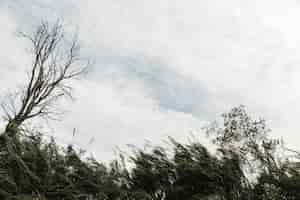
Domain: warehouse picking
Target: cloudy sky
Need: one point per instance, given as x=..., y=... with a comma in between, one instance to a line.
x=166, y=67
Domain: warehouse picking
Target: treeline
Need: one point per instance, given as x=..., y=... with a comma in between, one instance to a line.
x=244, y=163
x=244, y=166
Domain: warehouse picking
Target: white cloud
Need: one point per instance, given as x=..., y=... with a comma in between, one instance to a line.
x=13, y=59
x=215, y=55
x=117, y=117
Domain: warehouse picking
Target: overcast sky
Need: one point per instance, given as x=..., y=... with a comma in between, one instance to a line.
x=163, y=67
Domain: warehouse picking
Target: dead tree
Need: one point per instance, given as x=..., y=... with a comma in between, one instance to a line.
x=55, y=61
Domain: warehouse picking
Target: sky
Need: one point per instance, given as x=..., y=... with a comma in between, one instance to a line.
x=165, y=68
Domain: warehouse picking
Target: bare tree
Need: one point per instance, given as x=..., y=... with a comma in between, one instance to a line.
x=56, y=60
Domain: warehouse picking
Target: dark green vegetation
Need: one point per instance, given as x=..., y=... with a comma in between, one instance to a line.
x=245, y=164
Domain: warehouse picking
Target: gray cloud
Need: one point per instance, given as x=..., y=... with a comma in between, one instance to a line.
x=172, y=90
x=163, y=67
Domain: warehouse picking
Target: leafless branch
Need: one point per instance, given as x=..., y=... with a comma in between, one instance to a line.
x=55, y=61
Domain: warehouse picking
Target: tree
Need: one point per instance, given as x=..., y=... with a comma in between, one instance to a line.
x=188, y=171
x=247, y=138
x=269, y=176
x=55, y=61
